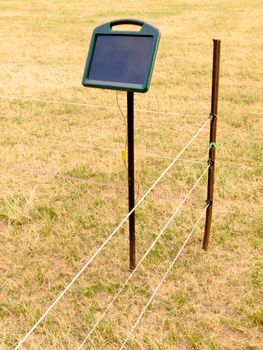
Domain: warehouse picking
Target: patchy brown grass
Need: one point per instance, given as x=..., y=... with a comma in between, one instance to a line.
x=50, y=226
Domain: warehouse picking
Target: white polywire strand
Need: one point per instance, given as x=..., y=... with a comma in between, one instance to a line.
x=96, y=106
x=162, y=280
x=109, y=238
x=142, y=259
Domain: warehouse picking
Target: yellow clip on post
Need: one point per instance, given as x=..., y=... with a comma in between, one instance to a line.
x=123, y=155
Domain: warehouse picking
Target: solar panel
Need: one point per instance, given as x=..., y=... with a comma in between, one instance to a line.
x=121, y=60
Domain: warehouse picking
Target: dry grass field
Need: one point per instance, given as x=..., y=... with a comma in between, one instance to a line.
x=51, y=225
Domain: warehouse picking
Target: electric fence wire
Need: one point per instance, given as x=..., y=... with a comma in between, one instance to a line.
x=142, y=151
x=8, y=98
x=21, y=342
x=144, y=256
x=162, y=280
x=91, y=182
x=55, y=174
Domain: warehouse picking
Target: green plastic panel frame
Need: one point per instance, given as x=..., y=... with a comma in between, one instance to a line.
x=107, y=29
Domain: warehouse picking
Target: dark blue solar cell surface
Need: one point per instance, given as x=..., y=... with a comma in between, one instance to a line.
x=121, y=58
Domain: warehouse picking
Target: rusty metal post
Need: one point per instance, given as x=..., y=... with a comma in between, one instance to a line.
x=130, y=127
x=212, y=140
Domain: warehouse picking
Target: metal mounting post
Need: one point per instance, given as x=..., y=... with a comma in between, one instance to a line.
x=212, y=140
x=130, y=127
